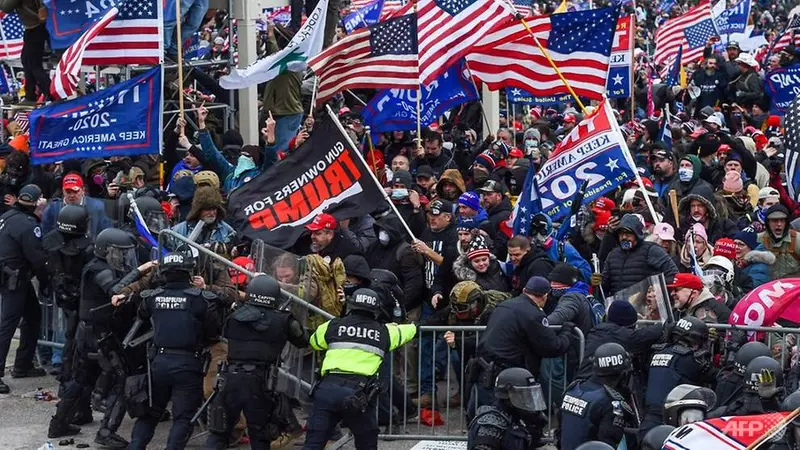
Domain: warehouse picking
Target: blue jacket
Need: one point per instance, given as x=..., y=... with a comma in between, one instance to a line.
x=758, y=262
x=98, y=220
x=222, y=233
x=571, y=256
x=180, y=165
x=213, y=158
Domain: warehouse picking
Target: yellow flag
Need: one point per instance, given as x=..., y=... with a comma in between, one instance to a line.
x=682, y=78
x=562, y=8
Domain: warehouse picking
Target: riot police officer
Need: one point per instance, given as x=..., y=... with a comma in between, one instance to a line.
x=595, y=409
x=791, y=438
x=184, y=319
x=762, y=386
x=730, y=382
x=69, y=248
x=97, y=333
x=21, y=257
x=680, y=361
x=355, y=346
x=688, y=404
x=656, y=437
x=502, y=425
x=257, y=332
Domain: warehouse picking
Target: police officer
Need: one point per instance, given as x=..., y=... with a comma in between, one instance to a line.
x=21, y=257
x=762, y=386
x=594, y=409
x=679, y=361
x=184, y=319
x=688, y=404
x=730, y=382
x=657, y=437
x=502, y=425
x=69, y=248
x=791, y=438
x=355, y=347
x=517, y=335
x=257, y=332
x=114, y=252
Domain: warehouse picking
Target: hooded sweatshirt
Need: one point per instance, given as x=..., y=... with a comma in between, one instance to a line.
x=453, y=176
x=398, y=257
x=716, y=226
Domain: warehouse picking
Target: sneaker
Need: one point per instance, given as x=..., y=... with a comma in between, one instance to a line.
x=4, y=389
x=285, y=439
x=108, y=438
x=59, y=429
x=425, y=401
x=33, y=372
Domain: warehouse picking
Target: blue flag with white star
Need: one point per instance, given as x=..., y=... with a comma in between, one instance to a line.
x=620, y=66
x=121, y=120
x=674, y=75
x=666, y=130
x=528, y=204
x=523, y=97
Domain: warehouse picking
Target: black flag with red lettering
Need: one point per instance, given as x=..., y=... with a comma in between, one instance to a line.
x=322, y=175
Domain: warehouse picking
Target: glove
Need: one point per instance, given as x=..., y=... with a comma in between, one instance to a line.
x=713, y=334
x=597, y=279
x=567, y=327
x=767, y=387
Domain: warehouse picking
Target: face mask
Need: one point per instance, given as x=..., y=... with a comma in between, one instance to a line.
x=685, y=174
x=714, y=162
x=625, y=244
x=399, y=194
x=697, y=219
x=349, y=288
x=557, y=293
x=98, y=179
x=531, y=144
x=383, y=237
x=243, y=164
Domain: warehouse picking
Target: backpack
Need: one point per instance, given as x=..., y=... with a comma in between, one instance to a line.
x=596, y=310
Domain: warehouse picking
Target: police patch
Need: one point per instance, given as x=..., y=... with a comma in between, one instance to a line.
x=574, y=406
x=170, y=303
x=545, y=322
x=37, y=232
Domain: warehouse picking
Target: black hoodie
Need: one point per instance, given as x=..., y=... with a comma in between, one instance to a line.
x=440, y=279
x=498, y=215
x=534, y=263
x=398, y=257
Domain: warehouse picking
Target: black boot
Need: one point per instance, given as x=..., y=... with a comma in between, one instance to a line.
x=4, y=389
x=108, y=438
x=82, y=417
x=60, y=428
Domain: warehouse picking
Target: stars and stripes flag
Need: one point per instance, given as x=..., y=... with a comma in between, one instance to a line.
x=528, y=205
x=23, y=121
x=791, y=167
x=448, y=29
x=578, y=42
x=666, y=129
x=789, y=37
x=11, y=32
x=689, y=31
x=381, y=56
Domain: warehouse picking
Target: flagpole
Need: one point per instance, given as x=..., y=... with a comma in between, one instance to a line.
x=161, y=162
x=419, y=119
x=313, y=97
x=180, y=57
x=372, y=175
x=552, y=63
x=480, y=99
x=632, y=72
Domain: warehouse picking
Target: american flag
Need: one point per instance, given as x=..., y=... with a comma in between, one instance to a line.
x=448, y=29
x=133, y=38
x=381, y=56
x=674, y=32
x=21, y=118
x=789, y=37
x=578, y=42
x=791, y=167
x=11, y=32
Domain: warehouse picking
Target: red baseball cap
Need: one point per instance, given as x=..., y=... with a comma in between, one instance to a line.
x=239, y=277
x=687, y=280
x=323, y=221
x=570, y=118
x=516, y=153
x=72, y=182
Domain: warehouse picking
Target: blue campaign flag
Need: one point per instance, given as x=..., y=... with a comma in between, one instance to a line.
x=363, y=17
x=781, y=84
x=666, y=130
x=121, y=120
x=195, y=48
x=528, y=204
x=67, y=20
x=733, y=20
x=665, y=5
x=674, y=75
x=618, y=83
x=396, y=109
x=523, y=97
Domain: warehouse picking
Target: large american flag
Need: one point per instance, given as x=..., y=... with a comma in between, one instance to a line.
x=791, y=166
x=132, y=38
x=448, y=29
x=11, y=32
x=674, y=32
x=381, y=56
x=578, y=42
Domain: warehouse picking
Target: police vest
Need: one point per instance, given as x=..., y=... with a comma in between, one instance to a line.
x=665, y=373
x=352, y=340
x=576, y=420
x=494, y=427
x=96, y=274
x=256, y=334
x=177, y=316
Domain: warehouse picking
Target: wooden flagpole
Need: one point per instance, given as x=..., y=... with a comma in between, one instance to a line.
x=480, y=99
x=632, y=72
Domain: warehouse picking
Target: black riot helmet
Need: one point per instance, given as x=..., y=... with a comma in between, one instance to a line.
x=687, y=403
x=173, y=262
x=611, y=360
x=73, y=220
x=690, y=330
x=791, y=403
x=386, y=283
x=117, y=248
x=747, y=353
x=594, y=445
x=365, y=300
x=758, y=366
x=263, y=290
x=519, y=387
x=152, y=213
x=656, y=437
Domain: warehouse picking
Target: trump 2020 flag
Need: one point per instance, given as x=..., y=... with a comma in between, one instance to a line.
x=322, y=175
x=595, y=151
x=120, y=120
x=395, y=109
x=791, y=166
x=620, y=66
x=363, y=17
x=306, y=44
x=781, y=85
x=731, y=20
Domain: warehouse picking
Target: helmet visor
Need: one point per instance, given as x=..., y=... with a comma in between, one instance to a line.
x=156, y=221
x=528, y=398
x=690, y=416
x=122, y=259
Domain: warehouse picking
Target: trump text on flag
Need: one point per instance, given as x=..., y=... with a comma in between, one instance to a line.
x=618, y=83
x=783, y=85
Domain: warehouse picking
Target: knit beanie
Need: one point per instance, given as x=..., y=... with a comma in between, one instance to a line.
x=725, y=247
x=748, y=236
x=732, y=182
x=486, y=161
x=467, y=224
x=565, y=274
x=699, y=231
x=622, y=313
x=477, y=247
x=470, y=200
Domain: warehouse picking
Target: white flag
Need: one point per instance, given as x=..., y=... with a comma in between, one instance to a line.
x=306, y=44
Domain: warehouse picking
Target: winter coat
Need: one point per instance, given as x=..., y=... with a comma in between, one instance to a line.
x=498, y=215
x=399, y=258
x=746, y=89
x=340, y=247
x=492, y=279
x=686, y=188
x=440, y=165
x=454, y=176
x=98, y=220
x=624, y=268
x=637, y=341
x=564, y=251
x=535, y=263
x=213, y=159
x=757, y=266
x=786, y=252
x=573, y=307
x=439, y=279
x=716, y=226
